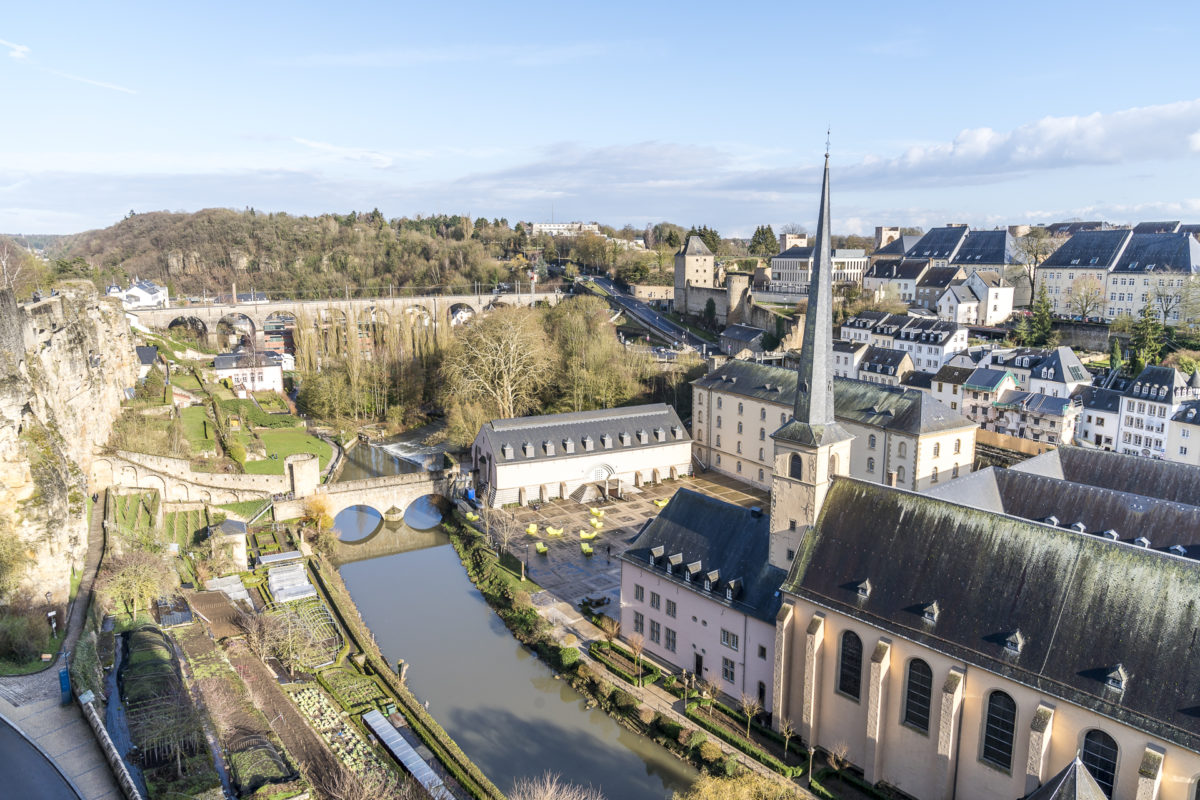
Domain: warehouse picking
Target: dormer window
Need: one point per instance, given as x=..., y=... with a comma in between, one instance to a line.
x=660, y=435
x=676, y=432
x=527, y=449
x=588, y=444
x=568, y=445
x=656, y=553
x=864, y=589
x=1051, y=520
x=606, y=441
x=1116, y=678
x=1079, y=527
x=1178, y=550
x=673, y=562
x=691, y=570
x=625, y=438
x=642, y=437
x=507, y=451
x=1142, y=541
x=930, y=612
x=1014, y=643
x=1112, y=534
x=711, y=579
x=548, y=446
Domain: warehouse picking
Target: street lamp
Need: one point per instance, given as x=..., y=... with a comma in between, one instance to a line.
x=811, y=751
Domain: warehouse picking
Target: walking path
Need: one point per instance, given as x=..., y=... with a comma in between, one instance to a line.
x=31, y=703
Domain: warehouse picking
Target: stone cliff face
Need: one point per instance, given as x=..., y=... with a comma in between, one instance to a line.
x=64, y=364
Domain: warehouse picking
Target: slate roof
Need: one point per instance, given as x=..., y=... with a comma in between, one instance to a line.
x=1194, y=230
x=1035, y=402
x=1160, y=252
x=890, y=407
x=1089, y=248
x=899, y=246
x=1160, y=384
x=897, y=269
x=1082, y=604
x=147, y=355
x=986, y=247
x=742, y=333
x=1073, y=782
x=918, y=380
x=730, y=539
x=957, y=375
x=1073, y=228
x=1062, y=361
x=917, y=329
x=1188, y=413
x=695, y=246
x=1150, y=477
x=229, y=527
x=1096, y=398
x=547, y=434
x=796, y=251
x=962, y=293
x=938, y=277
x=882, y=360
x=1157, y=227
x=844, y=346
x=938, y=243
x=244, y=358
x=985, y=379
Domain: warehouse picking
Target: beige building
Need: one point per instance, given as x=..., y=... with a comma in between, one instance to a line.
x=899, y=434
x=653, y=295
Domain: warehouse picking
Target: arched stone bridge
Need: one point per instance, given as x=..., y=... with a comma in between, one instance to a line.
x=438, y=309
x=381, y=494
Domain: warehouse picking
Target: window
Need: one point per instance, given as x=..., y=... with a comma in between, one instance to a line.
x=669, y=642
x=762, y=434
x=739, y=408
x=655, y=600
x=762, y=414
x=718, y=420
x=870, y=465
x=727, y=669
x=718, y=402
x=937, y=449
x=670, y=608
x=1100, y=758
x=796, y=467
x=639, y=622
x=900, y=475
x=957, y=446
x=728, y=639
x=655, y=632
x=760, y=473
x=739, y=427
x=850, y=667
x=933, y=476
x=918, y=695
x=760, y=455
x=998, y=730
x=718, y=445
x=791, y=524
x=902, y=450
x=871, y=441
x=639, y=593
x=762, y=652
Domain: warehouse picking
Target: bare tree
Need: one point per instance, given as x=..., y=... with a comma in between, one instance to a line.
x=839, y=757
x=500, y=360
x=787, y=729
x=316, y=513
x=376, y=784
x=712, y=691
x=750, y=707
x=1169, y=299
x=550, y=786
x=133, y=580
x=637, y=643
x=501, y=527
x=1086, y=297
x=609, y=627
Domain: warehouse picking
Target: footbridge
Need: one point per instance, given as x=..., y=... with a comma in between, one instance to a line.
x=430, y=309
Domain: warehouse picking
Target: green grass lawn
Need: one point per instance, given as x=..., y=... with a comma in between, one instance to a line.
x=285, y=442
x=181, y=526
x=185, y=379
x=703, y=334
x=36, y=664
x=243, y=509
x=194, y=418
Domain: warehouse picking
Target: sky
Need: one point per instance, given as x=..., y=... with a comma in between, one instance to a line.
x=621, y=113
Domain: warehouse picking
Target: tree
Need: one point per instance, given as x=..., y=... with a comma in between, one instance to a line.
x=637, y=643
x=794, y=228
x=1169, y=299
x=1040, y=324
x=609, y=627
x=133, y=580
x=746, y=786
x=1115, y=359
x=19, y=271
x=1035, y=247
x=763, y=242
x=499, y=361
x=750, y=706
x=316, y=513
x=787, y=729
x=1086, y=297
x=1147, y=340
x=342, y=783
x=710, y=312
x=14, y=558
x=710, y=237
x=839, y=757
x=550, y=786
x=502, y=527
x=710, y=689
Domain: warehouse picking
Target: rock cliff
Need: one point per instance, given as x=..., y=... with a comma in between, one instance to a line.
x=64, y=364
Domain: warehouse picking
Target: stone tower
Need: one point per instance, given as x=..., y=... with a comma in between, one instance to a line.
x=811, y=447
x=695, y=266
x=737, y=287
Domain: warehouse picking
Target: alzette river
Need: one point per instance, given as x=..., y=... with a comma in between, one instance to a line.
x=503, y=706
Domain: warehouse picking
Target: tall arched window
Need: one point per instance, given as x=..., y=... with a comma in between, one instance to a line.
x=902, y=450
x=796, y=467
x=834, y=463
x=900, y=476
x=850, y=669
x=998, y=729
x=870, y=465
x=1100, y=757
x=871, y=441
x=918, y=695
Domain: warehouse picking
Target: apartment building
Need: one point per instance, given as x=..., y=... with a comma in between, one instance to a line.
x=791, y=270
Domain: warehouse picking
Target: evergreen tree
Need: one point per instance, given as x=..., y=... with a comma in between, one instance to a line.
x=672, y=239
x=1023, y=333
x=1115, y=359
x=1042, y=320
x=710, y=237
x=763, y=242
x=1147, y=343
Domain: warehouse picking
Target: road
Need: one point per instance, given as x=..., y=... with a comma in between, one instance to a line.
x=648, y=316
x=30, y=775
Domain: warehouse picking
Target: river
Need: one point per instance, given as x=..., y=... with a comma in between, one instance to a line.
x=504, y=707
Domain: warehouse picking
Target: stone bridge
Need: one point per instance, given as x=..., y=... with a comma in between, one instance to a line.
x=381, y=494
x=433, y=309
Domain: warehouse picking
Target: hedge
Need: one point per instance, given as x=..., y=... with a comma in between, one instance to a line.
x=650, y=673
x=794, y=744
x=764, y=758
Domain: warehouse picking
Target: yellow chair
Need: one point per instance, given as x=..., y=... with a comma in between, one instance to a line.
x=531, y=529
x=541, y=548
x=553, y=531
x=597, y=512
x=472, y=516
x=586, y=548
x=662, y=502
x=589, y=535
x=597, y=524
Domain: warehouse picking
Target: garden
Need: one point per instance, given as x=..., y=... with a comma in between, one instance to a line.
x=344, y=739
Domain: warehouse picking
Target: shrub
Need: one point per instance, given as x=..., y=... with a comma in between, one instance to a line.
x=646, y=716
x=237, y=452
x=567, y=657
x=624, y=701
x=669, y=727
x=692, y=738
x=710, y=752
x=22, y=637
x=729, y=767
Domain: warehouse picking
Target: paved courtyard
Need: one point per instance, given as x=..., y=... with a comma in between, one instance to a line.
x=570, y=575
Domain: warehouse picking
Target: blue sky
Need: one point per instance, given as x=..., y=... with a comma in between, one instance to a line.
x=621, y=112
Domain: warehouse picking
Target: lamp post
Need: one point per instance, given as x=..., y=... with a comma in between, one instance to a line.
x=811, y=752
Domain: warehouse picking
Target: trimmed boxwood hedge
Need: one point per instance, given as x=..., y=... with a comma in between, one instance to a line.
x=650, y=673
x=749, y=748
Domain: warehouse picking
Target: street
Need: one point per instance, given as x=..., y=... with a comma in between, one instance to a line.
x=648, y=316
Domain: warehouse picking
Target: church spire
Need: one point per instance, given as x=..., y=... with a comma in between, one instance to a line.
x=814, y=398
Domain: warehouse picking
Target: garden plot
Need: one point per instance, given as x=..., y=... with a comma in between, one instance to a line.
x=290, y=583
x=344, y=739
x=312, y=639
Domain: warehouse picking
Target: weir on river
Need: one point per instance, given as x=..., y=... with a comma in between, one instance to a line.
x=506, y=709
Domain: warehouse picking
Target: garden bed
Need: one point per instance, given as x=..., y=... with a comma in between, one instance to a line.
x=621, y=663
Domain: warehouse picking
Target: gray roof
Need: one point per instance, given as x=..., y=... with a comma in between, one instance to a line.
x=1151, y=477
x=986, y=379
x=844, y=346
x=918, y=380
x=1073, y=228
x=1090, y=248
x=229, y=527
x=723, y=537
x=1159, y=384
x=1058, y=364
x=1157, y=227
x=1073, y=782
x=962, y=293
x=742, y=333
x=939, y=243
x=938, y=277
x=548, y=435
x=898, y=246
x=1082, y=604
x=1035, y=402
x=1096, y=398
x=1188, y=413
x=884, y=360
x=987, y=247
x=796, y=251
x=244, y=358
x=1160, y=252
x=949, y=374
x=695, y=246
x=898, y=269
x=147, y=355
x=889, y=407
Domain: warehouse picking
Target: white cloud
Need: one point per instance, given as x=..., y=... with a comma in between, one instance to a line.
x=21, y=53
x=18, y=51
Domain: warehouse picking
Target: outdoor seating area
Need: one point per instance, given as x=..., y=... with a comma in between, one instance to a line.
x=542, y=548
x=588, y=535
x=597, y=512
x=595, y=523
x=532, y=529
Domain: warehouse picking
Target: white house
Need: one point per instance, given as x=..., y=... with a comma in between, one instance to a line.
x=562, y=455
x=1100, y=419
x=249, y=372
x=984, y=298
x=1151, y=400
x=140, y=294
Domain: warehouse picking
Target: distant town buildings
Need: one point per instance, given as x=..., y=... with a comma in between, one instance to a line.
x=565, y=228
x=140, y=294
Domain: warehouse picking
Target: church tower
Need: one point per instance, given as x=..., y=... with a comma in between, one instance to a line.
x=811, y=447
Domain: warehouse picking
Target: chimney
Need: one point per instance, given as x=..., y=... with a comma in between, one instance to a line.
x=891, y=479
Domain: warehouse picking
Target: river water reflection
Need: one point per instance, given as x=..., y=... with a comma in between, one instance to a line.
x=504, y=708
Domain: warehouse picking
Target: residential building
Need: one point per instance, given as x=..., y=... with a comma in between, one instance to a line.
x=695, y=265
x=1054, y=371
x=895, y=246
x=698, y=586
x=140, y=294
x=987, y=250
x=1100, y=419
x=790, y=269
x=661, y=297
x=789, y=240
x=946, y=386
x=585, y=452
x=565, y=228
x=1037, y=417
x=930, y=342
x=737, y=338
x=939, y=245
x=1157, y=227
x=846, y=357
x=1183, y=434
x=933, y=283
x=1081, y=264
x=895, y=278
x=1151, y=400
x=984, y=298
x=883, y=365
x=1154, y=269
x=983, y=392
x=248, y=372
x=900, y=434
